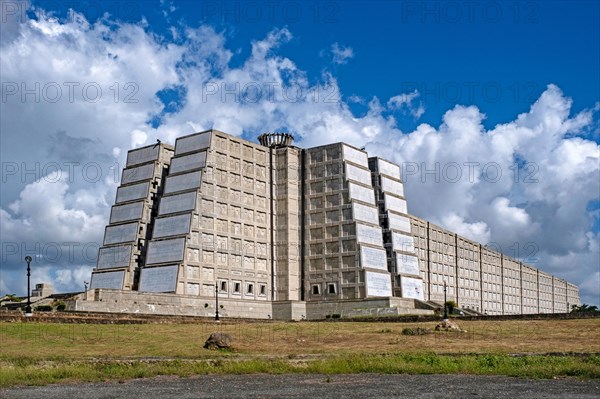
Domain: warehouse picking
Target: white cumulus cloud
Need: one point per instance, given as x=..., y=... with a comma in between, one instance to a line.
x=526, y=183
x=341, y=54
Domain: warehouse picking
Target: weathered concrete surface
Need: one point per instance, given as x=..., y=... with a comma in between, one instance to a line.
x=134, y=302
x=355, y=386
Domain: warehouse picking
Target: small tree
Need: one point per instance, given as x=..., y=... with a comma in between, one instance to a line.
x=584, y=308
x=60, y=305
x=451, y=305
x=13, y=298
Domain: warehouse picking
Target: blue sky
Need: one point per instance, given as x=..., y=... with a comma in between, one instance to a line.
x=430, y=85
x=498, y=55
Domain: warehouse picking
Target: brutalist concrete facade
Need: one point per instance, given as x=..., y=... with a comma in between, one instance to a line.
x=213, y=223
x=344, y=251
x=281, y=232
x=482, y=279
x=402, y=261
x=126, y=236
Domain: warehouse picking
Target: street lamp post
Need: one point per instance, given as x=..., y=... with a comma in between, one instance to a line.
x=445, y=303
x=216, y=301
x=28, y=308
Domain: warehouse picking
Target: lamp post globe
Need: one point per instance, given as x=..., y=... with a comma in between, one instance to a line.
x=28, y=312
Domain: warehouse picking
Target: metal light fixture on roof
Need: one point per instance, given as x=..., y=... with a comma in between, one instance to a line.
x=276, y=140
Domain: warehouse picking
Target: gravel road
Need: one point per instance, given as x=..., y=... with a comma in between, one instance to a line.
x=356, y=386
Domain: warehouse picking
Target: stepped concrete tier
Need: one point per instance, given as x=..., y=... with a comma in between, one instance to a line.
x=402, y=261
x=277, y=231
x=131, y=218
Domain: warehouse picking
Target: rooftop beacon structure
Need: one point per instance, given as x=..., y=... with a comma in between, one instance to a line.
x=282, y=232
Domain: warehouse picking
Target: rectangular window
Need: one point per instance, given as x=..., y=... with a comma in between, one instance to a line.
x=332, y=232
x=236, y=288
x=250, y=289
x=316, y=203
x=316, y=234
x=316, y=188
x=263, y=289
x=316, y=289
x=333, y=200
x=331, y=288
x=223, y=286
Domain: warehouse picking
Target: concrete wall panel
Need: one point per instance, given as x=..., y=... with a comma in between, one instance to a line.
x=142, y=155
x=118, y=256
x=112, y=280
x=177, y=203
x=121, y=233
x=192, y=143
x=133, y=192
x=172, y=225
x=183, y=182
x=143, y=172
x=159, y=279
x=378, y=284
x=165, y=251
x=373, y=257
x=123, y=213
x=188, y=162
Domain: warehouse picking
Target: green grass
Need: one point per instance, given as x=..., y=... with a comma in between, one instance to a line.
x=28, y=371
x=42, y=353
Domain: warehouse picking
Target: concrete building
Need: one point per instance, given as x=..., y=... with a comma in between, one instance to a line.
x=482, y=279
x=281, y=232
x=42, y=290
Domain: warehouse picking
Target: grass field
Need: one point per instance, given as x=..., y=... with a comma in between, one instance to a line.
x=38, y=353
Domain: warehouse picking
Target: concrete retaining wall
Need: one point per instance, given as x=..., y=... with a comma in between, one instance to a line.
x=363, y=307
x=134, y=302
